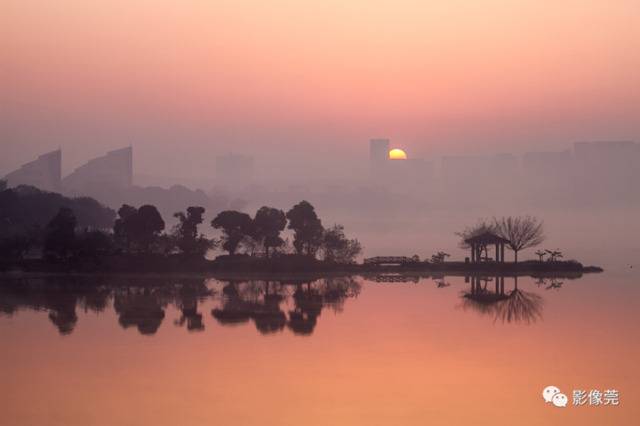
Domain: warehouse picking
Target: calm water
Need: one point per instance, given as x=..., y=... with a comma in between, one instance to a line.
x=349, y=351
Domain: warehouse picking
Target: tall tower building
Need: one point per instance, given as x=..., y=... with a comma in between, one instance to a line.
x=378, y=152
x=115, y=169
x=43, y=173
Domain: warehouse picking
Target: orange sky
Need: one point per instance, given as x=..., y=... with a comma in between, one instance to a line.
x=437, y=76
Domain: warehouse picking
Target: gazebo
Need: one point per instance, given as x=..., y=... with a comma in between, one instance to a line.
x=485, y=239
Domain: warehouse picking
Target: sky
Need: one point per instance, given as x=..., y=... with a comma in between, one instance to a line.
x=302, y=81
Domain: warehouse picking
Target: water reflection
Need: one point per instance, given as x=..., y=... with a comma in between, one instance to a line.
x=271, y=306
x=515, y=305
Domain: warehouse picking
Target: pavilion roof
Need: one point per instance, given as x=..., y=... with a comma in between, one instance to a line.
x=486, y=238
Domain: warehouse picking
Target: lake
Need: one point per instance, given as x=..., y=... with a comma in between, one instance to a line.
x=336, y=351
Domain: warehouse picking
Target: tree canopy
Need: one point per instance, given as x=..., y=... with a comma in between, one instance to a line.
x=522, y=232
x=307, y=228
x=185, y=233
x=235, y=226
x=267, y=225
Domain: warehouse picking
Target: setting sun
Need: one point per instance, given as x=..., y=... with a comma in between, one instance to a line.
x=397, y=154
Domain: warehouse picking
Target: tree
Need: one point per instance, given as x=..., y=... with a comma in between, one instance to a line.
x=541, y=254
x=138, y=228
x=482, y=227
x=16, y=246
x=60, y=237
x=554, y=255
x=235, y=226
x=185, y=233
x=522, y=232
x=267, y=225
x=307, y=227
x=439, y=257
x=93, y=244
x=123, y=226
x=149, y=225
x=338, y=248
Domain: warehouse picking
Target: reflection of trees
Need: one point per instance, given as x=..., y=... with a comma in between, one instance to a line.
x=520, y=307
x=140, y=303
x=139, y=308
x=260, y=301
x=256, y=300
x=516, y=306
x=59, y=296
x=549, y=283
x=188, y=296
x=307, y=307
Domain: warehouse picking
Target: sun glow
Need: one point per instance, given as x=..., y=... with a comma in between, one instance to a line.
x=397, y=154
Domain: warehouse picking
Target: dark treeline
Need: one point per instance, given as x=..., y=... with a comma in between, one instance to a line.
x=65, y=231
x=272, y=306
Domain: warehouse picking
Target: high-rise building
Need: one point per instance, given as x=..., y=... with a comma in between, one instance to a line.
x=378, y=151
x=115, y=169
x=606, y=150
x=549, y=162
x=43, y=173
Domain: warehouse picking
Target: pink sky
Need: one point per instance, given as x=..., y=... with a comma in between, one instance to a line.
x=296, y=76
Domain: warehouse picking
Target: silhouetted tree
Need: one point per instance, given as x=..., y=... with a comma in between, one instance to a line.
x=149, y=225
x=439, y=257
x=16, y=246
x=267, y=225
x=25, y=208
x=138, y=228
x=123, y=227
x=336, y=247
x=541, y=254
x=235, y=226
x=307, y=227
x=186, y=235
x=554, y=255
x=482, y=227
x=93, y=244
x=522, y=232
x=60, y=237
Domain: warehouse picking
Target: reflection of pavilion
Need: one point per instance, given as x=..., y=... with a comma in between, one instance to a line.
x=514, y=306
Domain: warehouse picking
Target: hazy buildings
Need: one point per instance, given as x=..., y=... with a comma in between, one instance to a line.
x=549, y=162
x=378, y=152
x=44, y=172
x=115, y=169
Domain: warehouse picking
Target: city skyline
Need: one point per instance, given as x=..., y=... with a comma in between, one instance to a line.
x=190, y=80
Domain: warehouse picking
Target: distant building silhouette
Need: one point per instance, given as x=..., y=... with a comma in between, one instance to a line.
x=547, y=162
x=608, y=168
x=463, y=169
x=115, y=169
x=43, y=173
x=606, y=150
x=378, y=152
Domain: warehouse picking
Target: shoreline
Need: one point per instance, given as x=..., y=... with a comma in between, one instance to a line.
x=261, y=269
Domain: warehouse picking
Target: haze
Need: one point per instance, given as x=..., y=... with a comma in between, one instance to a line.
x=297, y=82
x=301, y=87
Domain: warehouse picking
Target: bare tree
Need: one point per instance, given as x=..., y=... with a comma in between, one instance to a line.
x=521, y=231
x=482, y=227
